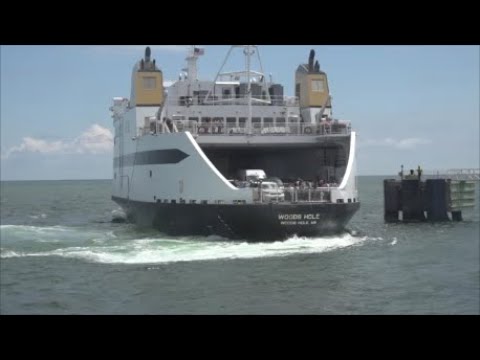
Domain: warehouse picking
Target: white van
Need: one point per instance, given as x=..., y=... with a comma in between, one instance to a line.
x=251, y=175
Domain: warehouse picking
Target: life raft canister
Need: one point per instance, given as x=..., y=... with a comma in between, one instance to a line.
x=307, y=130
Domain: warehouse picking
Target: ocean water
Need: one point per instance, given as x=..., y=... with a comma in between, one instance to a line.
x=60, y=253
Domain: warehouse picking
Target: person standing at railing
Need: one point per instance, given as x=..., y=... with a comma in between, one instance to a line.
x=419, y=171
x=220, y=126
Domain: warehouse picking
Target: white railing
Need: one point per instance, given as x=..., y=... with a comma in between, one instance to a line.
x=219, y=127
x=218, y=100
x=231, y=129
x=293, y=195
x=454, y=174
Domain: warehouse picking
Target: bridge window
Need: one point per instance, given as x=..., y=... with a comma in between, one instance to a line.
x=267, y=122
x=318, y=86
x=149, y=83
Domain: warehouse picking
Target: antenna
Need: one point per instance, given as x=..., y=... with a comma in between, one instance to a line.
x=248, y=53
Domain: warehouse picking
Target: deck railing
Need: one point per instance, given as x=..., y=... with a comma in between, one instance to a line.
x=221, y=100
x=221, y=128
x=293, y=195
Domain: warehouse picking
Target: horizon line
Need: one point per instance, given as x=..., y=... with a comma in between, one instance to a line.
x=5, y=180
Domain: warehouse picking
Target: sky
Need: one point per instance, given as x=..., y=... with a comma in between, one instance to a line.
x=410, y=105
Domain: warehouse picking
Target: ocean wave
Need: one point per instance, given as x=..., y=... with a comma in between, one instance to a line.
x=36, y=217
x=13, y=234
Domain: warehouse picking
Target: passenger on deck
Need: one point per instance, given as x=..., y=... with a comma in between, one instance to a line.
x=220, y=127
x=169, y=125
x=419, y=171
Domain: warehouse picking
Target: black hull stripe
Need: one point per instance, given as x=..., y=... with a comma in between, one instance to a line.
x=169, y=156
x=252, y=222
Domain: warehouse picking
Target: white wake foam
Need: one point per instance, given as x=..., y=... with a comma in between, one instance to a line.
x=165, y=250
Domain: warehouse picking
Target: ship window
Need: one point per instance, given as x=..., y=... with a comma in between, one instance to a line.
x=150, y=173
x=297, y=90
x=193, y=119
x=256, y=123
x=206, y=119
x=231, y=120
x=242, y=121
x=280, y=121
x=267, y=122
x=318, y=86
x=149, y=83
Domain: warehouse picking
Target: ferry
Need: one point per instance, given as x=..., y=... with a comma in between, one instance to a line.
x=234, y=157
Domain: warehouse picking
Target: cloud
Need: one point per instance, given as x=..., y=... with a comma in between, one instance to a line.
x=168, y=83
x=95, y=140
x=402, y=144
